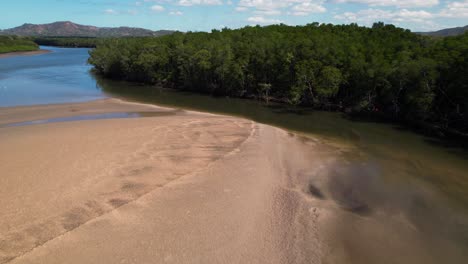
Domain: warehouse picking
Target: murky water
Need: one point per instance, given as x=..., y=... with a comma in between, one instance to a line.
x=403, y=196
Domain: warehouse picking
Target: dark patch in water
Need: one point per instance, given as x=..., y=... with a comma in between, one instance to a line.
x=351, y=199
x=316, y=192
x=360, y=209
x=355, y=187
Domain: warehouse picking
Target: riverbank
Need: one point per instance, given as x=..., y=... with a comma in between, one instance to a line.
x=181, y=186
x=143, y=92
x=23, y=53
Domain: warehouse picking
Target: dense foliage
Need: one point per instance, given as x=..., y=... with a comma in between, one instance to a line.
x=83, y=42
x=380, y=71
x=13, y=43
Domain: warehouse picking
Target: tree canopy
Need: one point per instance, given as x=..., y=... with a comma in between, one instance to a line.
x=74, y=42
x=14, y=43
x=380, y=71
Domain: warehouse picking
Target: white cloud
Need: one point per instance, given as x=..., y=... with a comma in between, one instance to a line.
x=423, y=18
x=272, y=12
x=199, y=2
x=175, y=13
x=263, y=21
x=111, y=12
x=455, y=10
x=405, y=13
x=307, y=8
x=157, y=8
x=369, y=16
x=397, y=3
x=276, y=7
x=264, y=4
x=241, y=9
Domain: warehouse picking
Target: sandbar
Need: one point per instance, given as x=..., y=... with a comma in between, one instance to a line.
x=23, y=53
x=176, y=186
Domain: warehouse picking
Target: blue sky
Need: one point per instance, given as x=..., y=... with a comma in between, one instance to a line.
x=204, y=15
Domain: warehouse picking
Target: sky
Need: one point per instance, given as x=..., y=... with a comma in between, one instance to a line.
x=204, y=15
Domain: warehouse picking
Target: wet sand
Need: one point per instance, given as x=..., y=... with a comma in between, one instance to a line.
x=23, y=53
x=184, y=187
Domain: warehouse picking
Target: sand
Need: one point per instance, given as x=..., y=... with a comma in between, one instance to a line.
x=180, y=187
x=23, y=53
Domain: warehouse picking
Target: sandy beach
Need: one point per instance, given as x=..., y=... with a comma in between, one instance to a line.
x=23, y=53
x=179, y=186
x=174, y=186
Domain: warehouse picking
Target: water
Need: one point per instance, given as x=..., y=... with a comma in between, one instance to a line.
x=57, y=77
x=390, y=173
x=113, y=115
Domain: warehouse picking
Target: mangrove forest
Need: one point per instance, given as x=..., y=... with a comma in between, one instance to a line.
x=382, y=71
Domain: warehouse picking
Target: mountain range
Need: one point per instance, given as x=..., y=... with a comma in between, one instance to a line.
x=70, y=29
x=446, y=32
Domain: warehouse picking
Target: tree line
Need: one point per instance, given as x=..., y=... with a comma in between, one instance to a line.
x=14, y=43
x=69, y=42
x=382, y=71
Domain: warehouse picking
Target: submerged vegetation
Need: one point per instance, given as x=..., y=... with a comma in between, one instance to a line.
x=14, y=43
x=383, y=71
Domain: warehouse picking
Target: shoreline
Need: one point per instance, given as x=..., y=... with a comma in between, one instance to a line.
x=179, y=181
x=23, y=53
x=24, y=113
x=151, y=162
x=423, y=128
x=153, y=168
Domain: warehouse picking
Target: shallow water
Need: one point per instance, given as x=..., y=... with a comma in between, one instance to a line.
x=114, y=115
x=394, y=187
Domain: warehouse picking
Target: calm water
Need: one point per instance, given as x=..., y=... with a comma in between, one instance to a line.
x=391, y=171
x=57, y=77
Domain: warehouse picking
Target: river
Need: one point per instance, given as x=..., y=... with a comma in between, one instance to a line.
x=57, y=77
x=390, y=173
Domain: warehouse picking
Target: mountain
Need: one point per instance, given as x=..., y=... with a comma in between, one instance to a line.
x=70, y=29
x=446, y=32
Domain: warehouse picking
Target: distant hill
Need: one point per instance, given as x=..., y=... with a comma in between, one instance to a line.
x=446, y=32
x=70, y=29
